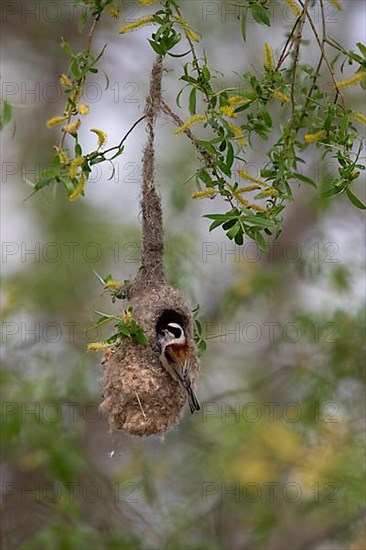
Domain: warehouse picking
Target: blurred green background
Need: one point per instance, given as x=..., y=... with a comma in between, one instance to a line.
x=276, y=459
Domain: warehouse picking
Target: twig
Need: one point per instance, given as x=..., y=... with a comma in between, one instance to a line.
x=142, y=410
x=321, y=46
x=91, y=33
x=80, y=81
x=195, y=58
x=284, y=54
x=179, y=122
x=296, y=55
x=323, y=20
x=125, y=136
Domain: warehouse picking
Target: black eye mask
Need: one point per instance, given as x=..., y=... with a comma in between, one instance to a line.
x=176, y=331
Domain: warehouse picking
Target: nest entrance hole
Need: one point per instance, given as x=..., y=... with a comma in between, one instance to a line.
x=171, y=316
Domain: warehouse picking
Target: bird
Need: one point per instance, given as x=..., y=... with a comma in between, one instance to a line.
x=174, y=356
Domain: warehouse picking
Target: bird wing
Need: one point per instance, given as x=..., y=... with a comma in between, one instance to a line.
x=176, y=357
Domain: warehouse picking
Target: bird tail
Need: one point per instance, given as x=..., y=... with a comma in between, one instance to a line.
x=192, y=400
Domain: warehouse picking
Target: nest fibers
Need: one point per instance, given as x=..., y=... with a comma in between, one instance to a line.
x=139, y=395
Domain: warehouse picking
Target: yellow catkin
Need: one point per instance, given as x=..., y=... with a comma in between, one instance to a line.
x=136, y=24
x=228, y=110
x=204, y=194
x=281, y=96
x=192, y=120
x=191, y=34
x=360, y=117
x=72, y=127
x=268, y=57
x=248, y=204
x=271, y=192
x=65, y=81
x=75, y=94
x=147, y=2
x=78, y=189
x=238, y=100
x=102, y=136
x=248, y=188
x=75, y=165
x=97, y=346
x=313, y=138
x=64, y=157
x=336, y=4
x=126, y=317
x=246, y=176
x=352, y=81
x=187, y=29
x=54, y=121
x=112, y=12
x=291, y=4
x=256, y=207
x=238, y=133
x=82, y=109
x=113, y=284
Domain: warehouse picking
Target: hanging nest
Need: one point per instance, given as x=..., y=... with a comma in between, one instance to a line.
x=139, y=395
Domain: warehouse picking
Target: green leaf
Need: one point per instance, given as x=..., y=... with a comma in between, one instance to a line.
x=355, y=200
x=233, y=231
x=266, y=116
x=206, y=73
x=336, y=190
x=222, y=217
x=141, y=338
x=229, y=155
x=205, y=177
x=222, y=146
x=214, y=225
x=224, y=168
x=202, y=347
x=239, y=238
x=305, y=179
x=261, y=242
x=97, y=160
x=42, y=182
x=66, y=47
x=243, y=24
x=5, y=115
x=260, y=14
x=258, y=221
x=362, y=48
x=206, y=145
x=112, y=339
x=119, y=152
x=100, y=278
x=158, y=49
x=177, y=99
x=230, y=223
x=123, y=329
x=179, y=54
x=192, y=101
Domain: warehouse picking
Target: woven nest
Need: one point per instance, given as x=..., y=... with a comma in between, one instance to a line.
x=139, y=395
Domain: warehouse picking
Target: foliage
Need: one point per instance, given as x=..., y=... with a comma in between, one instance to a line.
x=314, y=115
x=126, y=326
x=208, y=485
